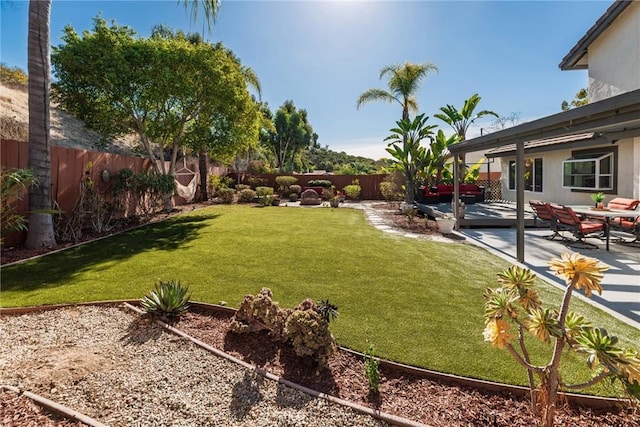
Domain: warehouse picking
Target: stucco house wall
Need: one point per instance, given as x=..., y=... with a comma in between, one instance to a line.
x=628, y=181
x=614, y=57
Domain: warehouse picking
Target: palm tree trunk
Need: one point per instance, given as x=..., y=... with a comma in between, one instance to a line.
x=40, y=233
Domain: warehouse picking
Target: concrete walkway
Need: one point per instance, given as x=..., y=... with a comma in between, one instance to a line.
x=621, y=283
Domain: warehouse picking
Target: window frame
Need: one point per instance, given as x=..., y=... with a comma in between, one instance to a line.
x=535, y=183
x=595, y=155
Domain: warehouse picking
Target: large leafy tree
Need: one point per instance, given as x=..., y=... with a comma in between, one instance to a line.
x=404, y=81
x=40, y=233
x=170, y=91
x=290, y=134
x=405, y=147
x=461, y=120
x=437, y=156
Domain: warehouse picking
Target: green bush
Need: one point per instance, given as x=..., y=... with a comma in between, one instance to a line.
x=390, y=191
x=352, y=191
x=320, y=183
x=295, y=189
x=240, y=187
x=327, y=194
x=264, y=191
x=225, y=195
x=216, y=182
x=284, y=184
x=13, y=76
x=246, y=195
x=14, y=185
x=168, y=300
x=294, y=197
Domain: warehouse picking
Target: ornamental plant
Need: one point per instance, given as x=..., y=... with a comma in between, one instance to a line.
x=14, y=184
x=371, y=369
x=516, y=305
x=168, y=300
x=353, y=190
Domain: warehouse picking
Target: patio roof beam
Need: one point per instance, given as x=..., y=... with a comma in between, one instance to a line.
x=553, y=147
x=618, y=113
x=520, y=172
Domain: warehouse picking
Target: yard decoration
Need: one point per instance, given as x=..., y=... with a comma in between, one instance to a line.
x=517, y=304
x=168, y=300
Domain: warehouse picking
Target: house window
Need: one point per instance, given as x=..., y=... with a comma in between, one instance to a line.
x=532, y=175
x=589, y=170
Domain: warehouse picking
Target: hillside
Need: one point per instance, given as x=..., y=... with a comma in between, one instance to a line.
x=66, y=130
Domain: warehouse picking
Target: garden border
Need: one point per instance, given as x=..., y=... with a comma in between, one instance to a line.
x=580, y=399
x=56, y=407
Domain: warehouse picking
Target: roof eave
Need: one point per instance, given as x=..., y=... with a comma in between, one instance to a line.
x=571, y=60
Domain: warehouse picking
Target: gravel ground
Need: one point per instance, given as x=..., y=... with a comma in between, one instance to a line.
x=110, y=365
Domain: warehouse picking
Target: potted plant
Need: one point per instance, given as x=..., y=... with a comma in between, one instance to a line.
x=598, y=198
x=446, y=224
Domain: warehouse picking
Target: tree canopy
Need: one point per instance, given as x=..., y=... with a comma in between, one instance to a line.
x=290, y=134
x=172, y=91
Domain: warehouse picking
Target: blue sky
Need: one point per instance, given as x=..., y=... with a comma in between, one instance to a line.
x=322, y=55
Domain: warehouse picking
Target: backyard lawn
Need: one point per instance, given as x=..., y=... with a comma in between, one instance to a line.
x=419, y=302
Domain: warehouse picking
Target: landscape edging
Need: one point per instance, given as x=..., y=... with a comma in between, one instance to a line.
x=52, y=406
x=580, y=399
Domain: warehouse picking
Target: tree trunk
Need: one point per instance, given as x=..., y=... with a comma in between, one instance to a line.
x=203, y=161
x=40, y=233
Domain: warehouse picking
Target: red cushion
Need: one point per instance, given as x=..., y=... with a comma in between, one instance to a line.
x=622, y=203
x=587, y=227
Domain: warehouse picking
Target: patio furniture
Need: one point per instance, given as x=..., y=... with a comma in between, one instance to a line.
x=568, y=220
x=546, y=217
x=627, y=224
x=628, y=218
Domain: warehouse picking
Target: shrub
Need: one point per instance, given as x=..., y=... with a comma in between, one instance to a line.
x=391, y=191
x=168, y=300
x=264, y=191
x=306, y=327
x=258, y=313
x=295, y=189
x=285, y=183
x=246, y=195
x=309, y=333
x=371, y=369
x=294, y=197
x=13, y=76
x=14, y=184
x=327, y=194
x=320, y=183
x=256, y=182
x=225, y=195
x=240, y=187
x=353, y=190
x=217, y=182
x=516, y=303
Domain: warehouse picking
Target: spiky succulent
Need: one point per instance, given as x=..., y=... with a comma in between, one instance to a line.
x=327, y=310
x=167, y=299
x=500, y=303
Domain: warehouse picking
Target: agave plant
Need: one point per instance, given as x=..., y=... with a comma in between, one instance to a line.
x=167, y=300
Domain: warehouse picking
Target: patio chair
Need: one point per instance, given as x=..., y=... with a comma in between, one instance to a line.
x=629, y=225
x=545, y=216
x=568, y=220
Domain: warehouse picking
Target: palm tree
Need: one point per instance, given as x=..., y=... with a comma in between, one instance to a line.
x=460, y=121
x=406, y=149
x=404, y=82
x=40, y=233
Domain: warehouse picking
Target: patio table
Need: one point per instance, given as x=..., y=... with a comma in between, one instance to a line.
x=605, y=214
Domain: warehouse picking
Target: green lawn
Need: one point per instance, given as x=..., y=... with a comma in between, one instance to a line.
x=418, y=302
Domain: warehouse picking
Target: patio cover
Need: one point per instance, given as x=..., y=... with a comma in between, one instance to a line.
x=610, y=119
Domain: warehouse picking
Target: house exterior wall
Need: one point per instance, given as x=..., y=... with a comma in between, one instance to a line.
x=614, y=57
x=628, y=178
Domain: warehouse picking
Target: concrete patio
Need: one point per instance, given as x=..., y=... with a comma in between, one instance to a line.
x=621, y=283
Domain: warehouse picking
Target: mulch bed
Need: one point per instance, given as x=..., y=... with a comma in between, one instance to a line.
x=401, y=393
x=17, y=410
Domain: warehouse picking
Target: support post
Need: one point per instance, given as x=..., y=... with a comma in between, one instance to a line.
x=520, y=201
